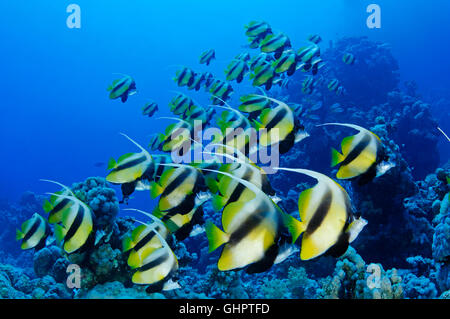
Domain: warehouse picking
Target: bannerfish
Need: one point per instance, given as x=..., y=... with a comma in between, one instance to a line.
x=207, y=56
x=143, y=240
x=150, y=109
x=251, y=232
x=129, y=167
x=33, y=233
x=362, y=155
x=263, y=75
x=286, y=63
x=236, y=70
x=328, y=223
x=122, y=88
x=184, y=77
x=257, y=29
x=275, y=43
x=76, y=229
x=279, y=126
x=348, y=58
x=314, y=38
x=158, y=269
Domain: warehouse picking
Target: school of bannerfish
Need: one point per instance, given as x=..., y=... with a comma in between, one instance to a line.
x=256, y=233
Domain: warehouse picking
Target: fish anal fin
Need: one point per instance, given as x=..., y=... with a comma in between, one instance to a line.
x=295, y=227
x=155, y=190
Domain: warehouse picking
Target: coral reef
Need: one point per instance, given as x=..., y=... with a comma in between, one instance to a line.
x=408, y=206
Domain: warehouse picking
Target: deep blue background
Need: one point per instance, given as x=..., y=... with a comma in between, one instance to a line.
x=56, y=120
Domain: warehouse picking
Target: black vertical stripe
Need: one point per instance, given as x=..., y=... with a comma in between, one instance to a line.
x=144, y=241
x=249, y=224
x=75, y=224
x=32, y=230
x=356, y=151
x=320, y=213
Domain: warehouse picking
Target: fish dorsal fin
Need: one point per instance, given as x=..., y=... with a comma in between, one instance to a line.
x=152, y=217
x=122, y=158
x=112, y=163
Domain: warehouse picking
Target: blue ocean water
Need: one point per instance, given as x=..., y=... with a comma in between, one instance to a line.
x=57, y=121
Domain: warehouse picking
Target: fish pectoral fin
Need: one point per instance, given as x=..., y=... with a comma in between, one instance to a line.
x=336, y=157
x=295, y=227
x=216, y=237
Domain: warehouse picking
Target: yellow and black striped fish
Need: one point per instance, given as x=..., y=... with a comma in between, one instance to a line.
x=236, y=70
x=257, y=29
x=220, y=91
x=275, y=43
x=177, y=188
x=263, y=75
x=199, y=78
x=158, y=268
x=260, y=59
x=184, y=77
x=348, y=58
x=75, y=231
x=180, y=104
x=129, y=167
x=178, y=137
x=231, y=190
x=327, y=221
x=361, y=154
x=314, y=38
x=56, y=206
x=209, y=79
x=153, y=173
x=150, y=109
x=207, y=56
x=122, y=88
x=306, y=54
x=279, y=126
x=253, y=103
x=33, y=233
x=286, y=63
x=252, y=230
